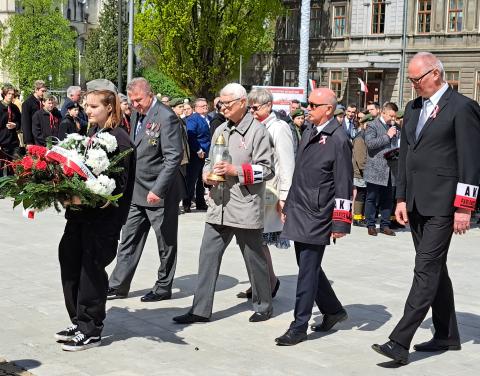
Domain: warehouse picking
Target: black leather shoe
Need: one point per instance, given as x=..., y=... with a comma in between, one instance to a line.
x=436, y=345
x=260, y=316
x=329, y=321
x=201, y=208
x=290, y=338
x=187, y=209
x=114, y=294
x=393, y=351
x=245, y=294
x=154, y=297
x=190, y=318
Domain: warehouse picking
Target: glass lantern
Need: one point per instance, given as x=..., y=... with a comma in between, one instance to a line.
x=219, y=154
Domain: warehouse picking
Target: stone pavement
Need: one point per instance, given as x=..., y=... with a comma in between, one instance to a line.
x=371, y=276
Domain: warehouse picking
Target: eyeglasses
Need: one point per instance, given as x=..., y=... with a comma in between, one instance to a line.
x=314, y=106
x=255, y=108
x=227, y=104
x=417, y=80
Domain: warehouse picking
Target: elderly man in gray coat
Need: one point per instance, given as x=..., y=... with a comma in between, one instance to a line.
x=235, y=207
x=381, y=136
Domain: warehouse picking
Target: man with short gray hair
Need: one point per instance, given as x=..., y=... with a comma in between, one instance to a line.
x=74, y=94
x=159, y=185
x=235, y=207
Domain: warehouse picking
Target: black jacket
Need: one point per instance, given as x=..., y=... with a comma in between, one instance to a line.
x=8, y=137
x=217, y=120
x=82, y=116
x=444, y=156
x=112, y=218
x=319, y=200
x=43, y=126
x=29, y=107
x=68, y=126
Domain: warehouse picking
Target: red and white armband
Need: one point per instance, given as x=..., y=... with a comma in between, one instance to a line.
x=343, y=210
x=252, y=174
x=466, y=197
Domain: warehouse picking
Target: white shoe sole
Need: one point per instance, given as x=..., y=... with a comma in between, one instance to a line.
x=66, y=347
x=59, y=337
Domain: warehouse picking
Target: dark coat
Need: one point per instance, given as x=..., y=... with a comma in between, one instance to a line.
x=217, y=120
x=43, y=126
x=8, y=137
x=29, y=107
x=444, y=155
x=68, y=126
x=112, y=217
x=82, y=116
x=323, y=177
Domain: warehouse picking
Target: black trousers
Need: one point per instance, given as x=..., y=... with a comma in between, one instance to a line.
x=84, y=252
x=431, y=285
x=195, y=182
x=312, y=286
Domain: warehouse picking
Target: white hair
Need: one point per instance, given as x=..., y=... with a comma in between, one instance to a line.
x=73, y=89
x=260, y=95
x=235, y=90
x=432, y=60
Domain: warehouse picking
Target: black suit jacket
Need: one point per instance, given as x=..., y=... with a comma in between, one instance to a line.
x=445, y=155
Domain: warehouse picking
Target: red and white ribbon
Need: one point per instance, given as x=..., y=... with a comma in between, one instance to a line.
x=61, y=155
x=343, y=210
x=466, y=197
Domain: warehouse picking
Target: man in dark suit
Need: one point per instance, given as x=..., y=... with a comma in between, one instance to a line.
x=349, y=123
x=31, y=105
x=159, y=185
x=318, y=207
x=438, y=177
x=199, y=139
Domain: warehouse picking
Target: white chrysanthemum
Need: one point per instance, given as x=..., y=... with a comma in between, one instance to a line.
x=108, y=141
x=75, y=156
x=103, y=185
x=97, y=159
x=75, y=136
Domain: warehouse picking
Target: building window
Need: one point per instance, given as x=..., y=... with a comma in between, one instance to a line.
x=453, y=79
x=477, y=87
x=378, y=16
x=336, y=83
x=424, y=16
x=339, y=20
x=455, y=15
x=289, y=78
x=292, y=24
x=315, y=22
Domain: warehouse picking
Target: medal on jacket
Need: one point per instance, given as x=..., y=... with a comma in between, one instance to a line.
x=242, y=144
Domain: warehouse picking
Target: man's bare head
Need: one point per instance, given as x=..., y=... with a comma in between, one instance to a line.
x=321, y=105
x=426, y=73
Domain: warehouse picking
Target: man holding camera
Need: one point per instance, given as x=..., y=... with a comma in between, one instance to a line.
x=381, y=136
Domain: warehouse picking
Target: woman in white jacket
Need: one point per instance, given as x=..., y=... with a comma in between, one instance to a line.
x=260, y=105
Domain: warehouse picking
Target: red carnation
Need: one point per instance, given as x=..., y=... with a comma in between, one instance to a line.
x=41, y=165
x=68, y=171
x=39, y=151
x=27, y=163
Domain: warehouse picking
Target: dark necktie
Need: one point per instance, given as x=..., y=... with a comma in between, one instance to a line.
x=314, y=132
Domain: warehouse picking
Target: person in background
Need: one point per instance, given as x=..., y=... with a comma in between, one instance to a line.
x=177, y=107
x=199, y=141
x=10, y=118
x=46, y=122
x=74, y=94
x=187, y=110
x=359, y=159
x=297, y=126
x=349, y=123
x=31, y=105
x=373, y=109
x=71, y=122
x=339, y=114
x=165, y=100
x=126, y=112
x=217, y=120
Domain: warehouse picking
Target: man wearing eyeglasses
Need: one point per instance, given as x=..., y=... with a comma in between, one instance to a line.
x=437, y=186
x=31, y=105
x=235, y=207
x=318, y=208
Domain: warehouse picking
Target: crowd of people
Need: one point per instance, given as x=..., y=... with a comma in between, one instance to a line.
x=302, y=177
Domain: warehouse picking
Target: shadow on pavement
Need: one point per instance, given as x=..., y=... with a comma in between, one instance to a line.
x=18, y=367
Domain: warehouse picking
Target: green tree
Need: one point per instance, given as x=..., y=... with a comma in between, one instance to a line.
x=38, y=43
x=162, y=84
x=101, y=48
x=198, y=43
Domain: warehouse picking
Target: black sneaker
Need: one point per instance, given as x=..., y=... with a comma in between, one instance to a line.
x=81, y=342
x=67, y=334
